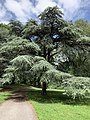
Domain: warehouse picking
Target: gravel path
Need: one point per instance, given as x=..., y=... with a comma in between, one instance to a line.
x=17, y=108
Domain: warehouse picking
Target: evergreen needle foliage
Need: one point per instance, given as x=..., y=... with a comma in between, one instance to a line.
x=77, y=87
x=49, y=50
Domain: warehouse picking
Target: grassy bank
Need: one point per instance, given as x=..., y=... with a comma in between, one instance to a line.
x=56, y=106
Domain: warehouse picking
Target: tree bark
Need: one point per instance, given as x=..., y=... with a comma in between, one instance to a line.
x=44, y=87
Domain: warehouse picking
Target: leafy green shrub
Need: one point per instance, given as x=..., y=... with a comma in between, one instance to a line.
x=77, y=87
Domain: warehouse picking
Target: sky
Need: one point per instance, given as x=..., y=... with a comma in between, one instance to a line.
x=23, y=10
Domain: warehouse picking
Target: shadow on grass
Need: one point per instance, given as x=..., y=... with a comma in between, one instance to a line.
x=20, y=93
x=55, y=97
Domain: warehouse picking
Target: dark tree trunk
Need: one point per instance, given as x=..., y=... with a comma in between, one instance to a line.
x=44, y=87
x=13, y=80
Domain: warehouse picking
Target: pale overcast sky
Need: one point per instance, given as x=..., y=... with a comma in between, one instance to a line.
x=24, y=10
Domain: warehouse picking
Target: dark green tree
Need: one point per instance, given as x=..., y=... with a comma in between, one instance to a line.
x=4, y=33
x=31, y=29
x=51, y=23
x=16, y=27
x=84, y=25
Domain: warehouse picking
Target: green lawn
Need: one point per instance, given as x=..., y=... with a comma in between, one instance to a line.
x=56, y=106
x=4, y=95
x=53, y=106
x=7, y=90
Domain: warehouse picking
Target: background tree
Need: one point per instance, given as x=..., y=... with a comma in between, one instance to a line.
x=31, y=30
x=16, y=27
x=84, y=25
x=4, y=33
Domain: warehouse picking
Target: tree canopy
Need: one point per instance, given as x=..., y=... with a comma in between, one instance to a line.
x=51, y=50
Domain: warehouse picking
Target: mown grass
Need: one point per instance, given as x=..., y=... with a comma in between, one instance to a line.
x=56, y=106
x=53, y=106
